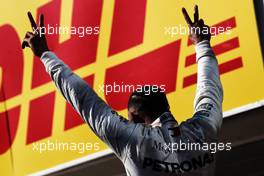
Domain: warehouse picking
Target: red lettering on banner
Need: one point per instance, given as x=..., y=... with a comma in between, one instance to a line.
x=218, y=49
x=11, y=63
x=8, y=127
x=77, y=51
x=223, y=68
x=160, y=66
x=40, y=118
x=127, y=26
x=227, y=24
x=157, y=67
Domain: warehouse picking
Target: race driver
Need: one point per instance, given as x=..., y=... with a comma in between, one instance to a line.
x=145, y=143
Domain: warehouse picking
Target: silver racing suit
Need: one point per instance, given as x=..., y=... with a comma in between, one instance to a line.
x=151, y=149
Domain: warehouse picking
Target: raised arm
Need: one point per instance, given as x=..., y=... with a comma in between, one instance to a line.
x=209, y=93
x=113, y=129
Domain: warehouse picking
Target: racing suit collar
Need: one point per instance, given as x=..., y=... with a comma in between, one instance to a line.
x=163, y=119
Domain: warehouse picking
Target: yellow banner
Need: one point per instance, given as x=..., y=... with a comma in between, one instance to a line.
x=112, y=43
